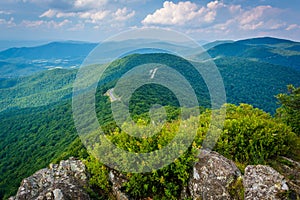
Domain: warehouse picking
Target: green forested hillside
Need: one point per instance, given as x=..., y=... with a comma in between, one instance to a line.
x=37, y=126
x=37, y=90
x=29, y=139
x=245, y=80
x=8, y=69
x=255, y=82
x=269, y=50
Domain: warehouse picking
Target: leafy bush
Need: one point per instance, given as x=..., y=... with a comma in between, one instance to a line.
x=252, y=136
x=249, y=136
x=165, y=183
x=98, y=181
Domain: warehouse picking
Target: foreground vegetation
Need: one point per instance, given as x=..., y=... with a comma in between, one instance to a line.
x=249, y=136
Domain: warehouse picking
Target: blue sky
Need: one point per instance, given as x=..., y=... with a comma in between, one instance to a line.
x=95, y=20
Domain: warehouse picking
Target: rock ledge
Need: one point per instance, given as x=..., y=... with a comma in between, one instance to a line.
x=66, y=180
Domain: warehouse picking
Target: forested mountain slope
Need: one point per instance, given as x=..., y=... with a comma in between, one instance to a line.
x=36, y=114
x=270, y=50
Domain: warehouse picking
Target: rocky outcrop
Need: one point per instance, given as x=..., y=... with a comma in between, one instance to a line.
x=58, y=182
x=263, y=182
x=117, y=179
x=212, y=176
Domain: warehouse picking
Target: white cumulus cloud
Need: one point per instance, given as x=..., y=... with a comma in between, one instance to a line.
x=123, y=14
x=4, y=12
x=9, y=23
x=92, y=4
x=254, y=14
x=94, y=16
x=216, y=15
x=183, y=13
x=292, y=27
x=172, y=13
x=48, y=24
x=49, y=13
x=215, y=4
x=210, y=16
x=252, y=26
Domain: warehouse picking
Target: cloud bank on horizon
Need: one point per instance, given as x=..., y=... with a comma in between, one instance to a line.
x=94, y=20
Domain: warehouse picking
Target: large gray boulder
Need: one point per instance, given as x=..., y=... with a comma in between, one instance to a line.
x=263, y=182
x=58, y=182
x=213, y=174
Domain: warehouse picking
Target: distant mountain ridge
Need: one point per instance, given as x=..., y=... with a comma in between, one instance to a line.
x=69, y=54
x=272, y=60
x=50, y=51
x=15, y=62
x=7, y=44
x=216, y=43
x=266, y=41
x=24, y=61
x=270, y=50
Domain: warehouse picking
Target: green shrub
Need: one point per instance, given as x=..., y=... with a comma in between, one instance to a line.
x=252, y=136
x=249, y=136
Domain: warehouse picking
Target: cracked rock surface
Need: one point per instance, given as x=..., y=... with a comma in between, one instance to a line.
x=212, y=176
x=62, y=181
x=263, y=182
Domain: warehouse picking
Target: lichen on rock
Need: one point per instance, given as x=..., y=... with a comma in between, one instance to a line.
x=212, y=176
x=263, y=182
x=65, y=180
